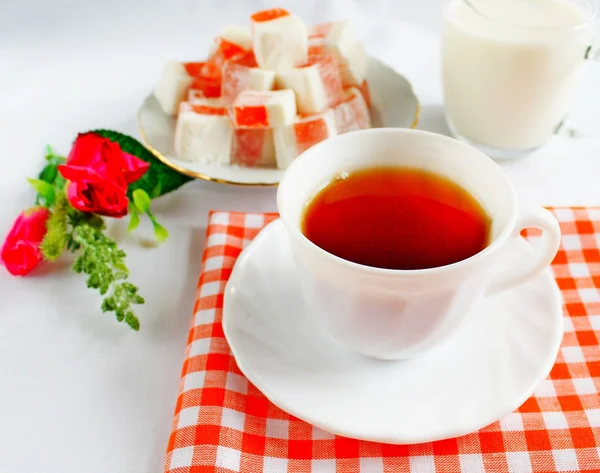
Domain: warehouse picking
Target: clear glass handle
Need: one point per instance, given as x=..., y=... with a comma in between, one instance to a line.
x=566, y=128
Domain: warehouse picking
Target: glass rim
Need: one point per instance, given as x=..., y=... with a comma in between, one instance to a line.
x=590, y=17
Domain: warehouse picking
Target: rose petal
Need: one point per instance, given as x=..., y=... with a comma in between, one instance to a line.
x=30, y=225
x=111, y=164
x=21, y=258
x=76, y=195
x=101, y=197
x=85, y=146
x=20, y=251
x=100, y=154
x=76, y=173
x=111, y=201
x=35, y=224
x=133, y=167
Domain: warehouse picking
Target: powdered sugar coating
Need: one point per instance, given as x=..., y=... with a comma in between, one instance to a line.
x=254, y=109
x=330, y=76
x=236, y=78
x=352, y=114
x=253, y=147
x=294, y=139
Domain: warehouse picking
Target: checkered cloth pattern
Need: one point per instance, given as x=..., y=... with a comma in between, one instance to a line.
x=224, y=424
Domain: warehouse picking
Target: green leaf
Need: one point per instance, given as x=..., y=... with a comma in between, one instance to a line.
x=104, y=264
x=78, y=266
x=132, y=321
x=56, y=160
x=155, y=192
x=53, y=158
x=160, y=232
x=44, y=190
x=141, y=200
x=49, y=173
x=121, y=267
x=94, y=281
x=59, y=182
x=134, y=218
x=159, y=179
x=108, y=304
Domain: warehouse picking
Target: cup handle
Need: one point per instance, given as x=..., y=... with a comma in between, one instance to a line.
x=530, y=263
x=565, y=128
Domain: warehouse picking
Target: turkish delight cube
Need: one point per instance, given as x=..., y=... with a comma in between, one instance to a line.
x=280, y=39
x=203, y=134
x=292, y=140
x=201, y=85
x=339, y=39
x=172, y=86
x=352, y=114
x=317, y=85
x=233, y=43
x=236, y=78
x=253, y=147
x=366, y=92
x=254, y=109
x=205, y=87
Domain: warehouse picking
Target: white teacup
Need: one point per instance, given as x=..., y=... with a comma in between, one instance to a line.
x=396, y=314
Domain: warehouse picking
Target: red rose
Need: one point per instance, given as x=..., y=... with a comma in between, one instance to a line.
x=21, y=249
x=99, y=173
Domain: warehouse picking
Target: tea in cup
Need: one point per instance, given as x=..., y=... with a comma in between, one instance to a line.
x=396, y=218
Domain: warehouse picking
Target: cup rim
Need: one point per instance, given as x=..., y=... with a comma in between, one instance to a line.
x=296, y=232
x=590, y=17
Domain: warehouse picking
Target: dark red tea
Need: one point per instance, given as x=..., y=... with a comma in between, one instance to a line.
x=397, y=218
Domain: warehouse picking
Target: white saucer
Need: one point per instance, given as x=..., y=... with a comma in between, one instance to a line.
x=394, y=105
x=493, y=364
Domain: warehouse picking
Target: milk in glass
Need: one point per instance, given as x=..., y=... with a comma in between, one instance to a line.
x=511, y=68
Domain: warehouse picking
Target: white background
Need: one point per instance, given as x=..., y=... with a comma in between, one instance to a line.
x=78, y=391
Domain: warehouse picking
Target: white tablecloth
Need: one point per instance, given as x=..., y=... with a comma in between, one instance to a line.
x=78, y=391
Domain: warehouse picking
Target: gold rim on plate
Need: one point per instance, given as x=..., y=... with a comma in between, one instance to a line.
x=205, y=177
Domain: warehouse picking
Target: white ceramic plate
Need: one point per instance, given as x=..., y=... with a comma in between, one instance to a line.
x=506, y=348
x=394, y=105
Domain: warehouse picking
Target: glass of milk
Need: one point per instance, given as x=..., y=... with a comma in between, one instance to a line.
x=511, y=69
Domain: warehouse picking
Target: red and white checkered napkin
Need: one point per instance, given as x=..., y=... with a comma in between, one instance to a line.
x=224, y=424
